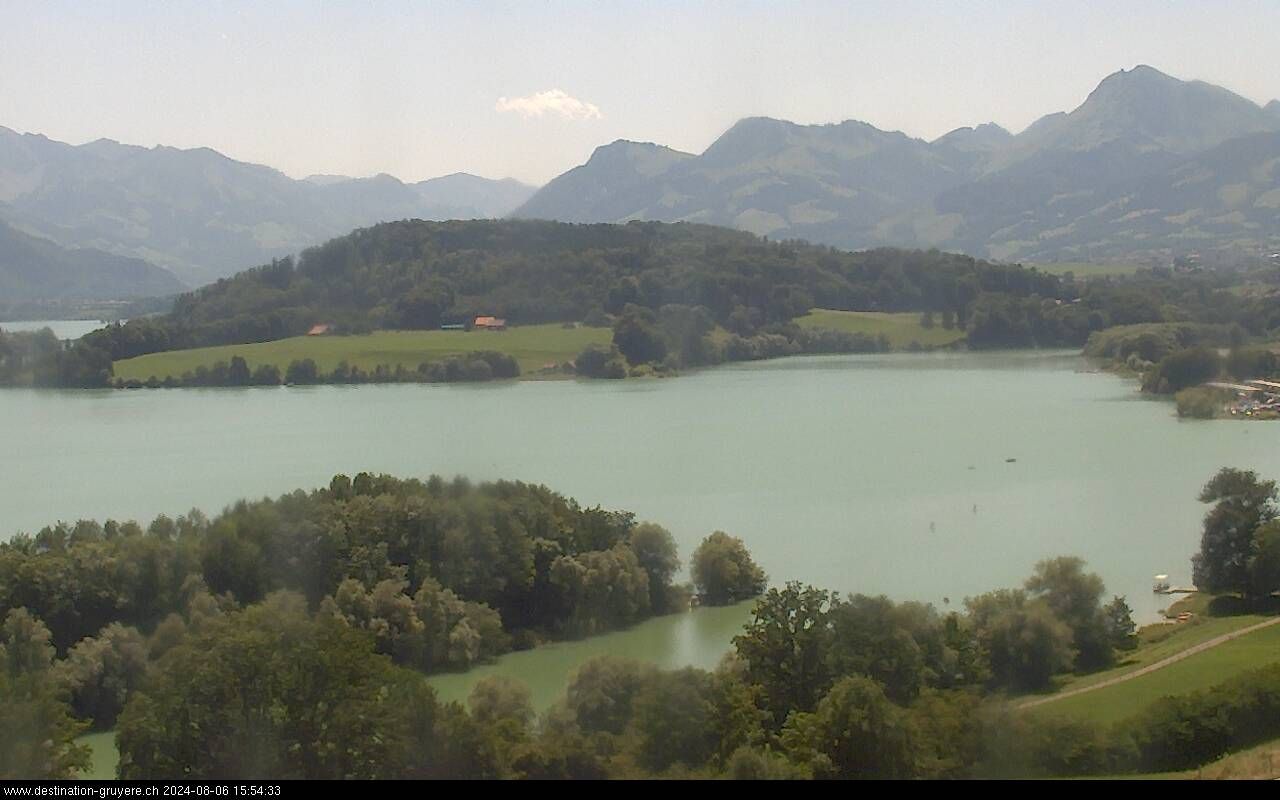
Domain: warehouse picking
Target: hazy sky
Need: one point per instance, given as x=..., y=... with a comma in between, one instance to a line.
x=529, y=89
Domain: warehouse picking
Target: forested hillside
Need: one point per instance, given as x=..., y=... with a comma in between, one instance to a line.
x=416, y=275
x=676, y=295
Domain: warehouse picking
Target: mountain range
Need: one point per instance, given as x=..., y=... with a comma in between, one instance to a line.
x=1146, y=168
x=32, y=268
x=202, y=215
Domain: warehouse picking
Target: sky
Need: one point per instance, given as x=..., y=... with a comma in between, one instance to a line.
x=529, y=89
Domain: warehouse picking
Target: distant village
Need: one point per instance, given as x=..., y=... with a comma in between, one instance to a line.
x=1253, y=398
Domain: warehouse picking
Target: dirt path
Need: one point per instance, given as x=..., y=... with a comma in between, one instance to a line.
x=1161, y=664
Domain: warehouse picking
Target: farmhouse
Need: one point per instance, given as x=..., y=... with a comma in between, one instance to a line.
x=490, y=324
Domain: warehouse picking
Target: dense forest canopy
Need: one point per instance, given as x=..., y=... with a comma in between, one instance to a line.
x=287, y=638
x=677, y=295
x=509, y=562
x=415, y=274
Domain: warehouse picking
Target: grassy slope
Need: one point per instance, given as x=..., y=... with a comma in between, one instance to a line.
x=1161, y=644
x=533, y=346
x=1201, y=671
x=902, y=329
x=103, y=756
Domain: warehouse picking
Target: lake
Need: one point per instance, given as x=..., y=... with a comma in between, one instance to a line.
x=62, y=328
x=922, y=476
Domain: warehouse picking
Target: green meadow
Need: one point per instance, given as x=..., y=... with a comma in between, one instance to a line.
x=103, y=755
x=1201, y=671
x=533, y=346
x=901, y=329
x=1158, y=642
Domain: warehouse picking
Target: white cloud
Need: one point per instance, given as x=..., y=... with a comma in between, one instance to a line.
x=552, y=101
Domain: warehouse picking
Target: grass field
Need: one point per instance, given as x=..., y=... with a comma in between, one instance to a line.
x=1201, y=671
x=1160, y=645
x=1084, y=270
x=103, y=756
x=902, y=329
x=533, y=346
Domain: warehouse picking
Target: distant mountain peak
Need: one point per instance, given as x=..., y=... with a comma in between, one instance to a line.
x=618, y=145
x=322, y=179
x=642, y=158
x=1150, y=109
x=1141, y=72
x=985, y=137
x=203, y=214
x=1126, y=85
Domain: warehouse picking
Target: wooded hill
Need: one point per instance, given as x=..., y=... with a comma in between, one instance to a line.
x=419, y=275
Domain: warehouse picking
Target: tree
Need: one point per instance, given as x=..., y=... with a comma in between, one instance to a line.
x=764, y=764
x=266, y=375
x=867, y=640
x=948, y=733
x=687, y=329
x=26, y=645
x=602, y=690
x=1119, y=624
x=602, y=589
x=856, y=731
x=674, y=718
x=1027, y=646
x=266, y=693
x=655, y=549
x=739, y=720
x=1075, y=596
x=1183, y=368
x=1264, y=565
x=1244, y=363
x=784, y=649
x=238, y=372
x=497, y=698
x=101, y=673
x=430, y=740
x=423, y=306
x=597, y=361
x=37, y=730
x=560, y=754
x=302, y=372
x=637, y=337
x=1243, y=503
x=723, y=571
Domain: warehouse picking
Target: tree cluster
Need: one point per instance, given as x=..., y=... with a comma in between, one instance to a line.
x=475, y=367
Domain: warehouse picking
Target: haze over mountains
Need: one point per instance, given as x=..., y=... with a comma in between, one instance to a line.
x=1149, y=166
x=32, y=268
x=1146, y=168
x=204, y=216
